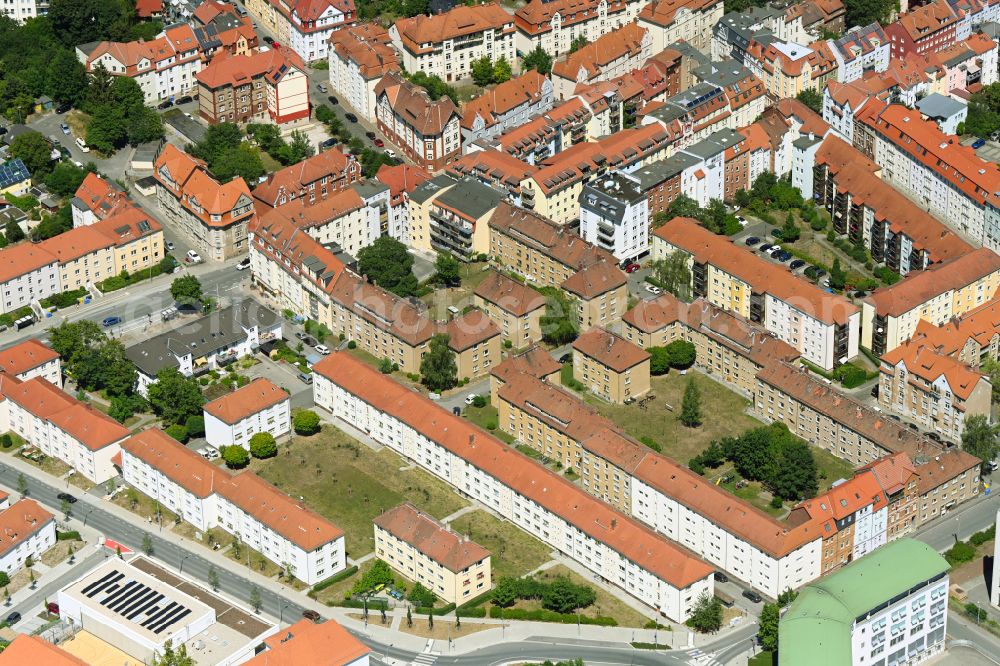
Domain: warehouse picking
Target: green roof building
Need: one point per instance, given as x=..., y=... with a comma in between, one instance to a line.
x=886, y=608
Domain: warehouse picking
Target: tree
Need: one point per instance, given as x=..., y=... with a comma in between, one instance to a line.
x=378, y=574
x=992, y=368
x=387, y=263
x=674, y=275
x=538, y=60
x=213, y=578
x=177, y=431
x=32, y=149
x=706, y=615
x=242, y=161
x=255, y=601
x=790, y=232
x=409, y=617
x=306, y=422
x=564, y=596
x=12, y=231
x=505, y=592
x=147, y=544
x=118, y=374
x=501, y=71
x=482, y=71
x=984, y=112
x=838, y=278
x=448, y=270
x=53, y=225
x=65, y=179
x=144, y=124
x=421, y=596
x=4, y=579
x=82, y=21
x=127, y=95
x=187, y=290
x=577, y=44
x=979, y=438
x=659, y=362
x=683, y=206
x=174, y=397
x=173, y=658
x=66, y=508
x=218, y=140
x=865, y=12
x=681, y=354
x=195, y=425
x=691, y=405
x=794, y=475
x=438, y=371
x=235, y=456
x=66, y=78
x=561, y=322
x=262, y=445
x=107, y=130
x=812, y=99
x=767, y=634
x=22, y=485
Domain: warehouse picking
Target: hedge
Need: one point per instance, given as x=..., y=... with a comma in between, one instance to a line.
x=979, y=538
x=475, y=602
x=64, y=299
x=473, y=612
x=542, y=615
x=336, y=578
x=638, y=645
x=424, y=610
x=68, y=536
x=373, y=604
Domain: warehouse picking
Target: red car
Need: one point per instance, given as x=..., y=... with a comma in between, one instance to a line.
x=632, y=268
x=379, y=142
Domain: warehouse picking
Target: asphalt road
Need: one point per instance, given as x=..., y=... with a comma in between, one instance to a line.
x=963, y=521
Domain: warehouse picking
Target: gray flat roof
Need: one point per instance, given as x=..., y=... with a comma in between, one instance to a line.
x=659, y=171
x=936, y=105
x=431, y=188
x=471, y=197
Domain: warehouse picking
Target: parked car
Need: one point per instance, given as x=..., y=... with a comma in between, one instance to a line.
x=170, y=246
x=165, y=104
x=766, y=247
x=632, y=268
x=310, y=614
x=333, y=100
x=184, y=99
x=210, y=453
x=653, y=289
x=751, y=241
x=67, y=497
x=566, y=358
x=321, y=87
x=391, y=153
x=370, y=135
x=351, y=117
x=111, y=321
x=305, y=377
x=322, y=349
x=784, y=256
x=13, y=618
x=379, y=143
x=64, y=127
x=82, y=144
x=329, y=143
x=64, y=108
x=268, y=39
x=310, y=341
x=933, y=435
x=797, y=264
x=193, y=256
x=471, y=398
x=243, y=265
x=721, y=577
x=978, y=143
x=52, y=608
x=742, y=220
x=752, y=596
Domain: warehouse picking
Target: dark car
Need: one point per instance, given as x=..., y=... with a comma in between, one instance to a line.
x=310, y=340
x=184, y=99
x=268, y=39
x=3, y=130
x=875, y=391
x=13, y=618
x=933, y=435
x=860, y=294
x=752, y=596
x=67, y=497
x=329, y=143
x=300, y=335
x=721, y=577
x=978, y=143
x=784, y=256
x=333, y=100
x=766, y=247
x=566, y=358
x=798, y=263
x=64, y=107
x=811, y=272
x=370, y=135
x=310, y=614
x=350, y=116
x=165, y=104
x=753, y=240
x=912, y=426
x=111, y=321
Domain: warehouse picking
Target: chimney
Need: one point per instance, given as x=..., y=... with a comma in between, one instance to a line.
x=614, y=523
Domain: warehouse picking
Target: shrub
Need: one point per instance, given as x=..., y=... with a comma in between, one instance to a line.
x=327, y=582
x=4, y=579
x=651, y=443
x=541, y=615
x=479, y=401
x=236, y=457
x=776, y=502
x=850, y=375
x=696, y=466
x=195, y=425
x=71, y=535
x=306, y=422
x=385, y=366
x=352, y=345
x=262, y=445
x=421, y=596
x=960, y=553
x=6, y=441
x=979, y=538
x=178, y=432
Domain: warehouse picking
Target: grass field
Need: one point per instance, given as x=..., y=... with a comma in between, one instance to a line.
x=486, y=416
x=607, y=604
x=515, y=552
x=723, y=414
x=350, y=484
x=440, y=299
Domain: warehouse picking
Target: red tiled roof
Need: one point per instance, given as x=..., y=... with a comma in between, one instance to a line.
x=26, y=649
x=503, y=98
x=255, y=397
x=305, y=642
x=459, y=21
x=509, y=295
x=431, y=538
x=411, y=102
x=610, y=350
x=27, y=355
x=470, y=329
x=625, y=42
x=20, y=522
x=929, y=365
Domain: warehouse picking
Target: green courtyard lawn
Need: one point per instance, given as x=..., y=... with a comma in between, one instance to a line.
x=723, y=415
x=350, y=484
x=440, y=299
x=486, y=416
x=515, y=552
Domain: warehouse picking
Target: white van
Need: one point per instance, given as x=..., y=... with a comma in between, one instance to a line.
x=82, y=144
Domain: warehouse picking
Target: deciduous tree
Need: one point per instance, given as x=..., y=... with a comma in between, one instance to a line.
x=235, y=456
x=673, y=274
x=32, y=149
x=691, y=405
x=448, y=270
x=438, y=370
x=262, y=445
x=186, y=290
x=387, y=263
x=305, y=422
x=174, y=397
x=706, y=616
x=979, y=438
x=538, y=60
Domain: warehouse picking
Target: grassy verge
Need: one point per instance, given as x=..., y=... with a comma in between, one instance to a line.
x=606, y=605
x=487, y=416
x=350, y=484
x=515, y=552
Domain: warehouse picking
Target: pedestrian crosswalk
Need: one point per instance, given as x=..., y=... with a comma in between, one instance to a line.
x=702, y=658
x=424, y=659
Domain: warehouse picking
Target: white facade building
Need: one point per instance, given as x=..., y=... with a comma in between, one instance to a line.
x=260, y=406
x=22, y=10
x=27, y=530
x=614, y=215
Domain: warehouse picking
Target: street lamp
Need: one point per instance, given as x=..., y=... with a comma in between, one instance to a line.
x=281, y=613
x=181, y=566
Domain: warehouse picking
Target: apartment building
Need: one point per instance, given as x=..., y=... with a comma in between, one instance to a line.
x=360, y=55
x=424, y=551
x=860, y=614
x=208, y=343
x=862, y=49
x=401, y=180
x=609, y=56
x=691, y=21
x=220, y=29
x=270, y=85
x=936, y=390
x=306, y=641
x=927, y=29
x=516, y=309
x=870, y=212
x=606, y=542
x=500, y=170
x=664, y=180
x=20, y=11
x=164, y=67
x=212, y=215
x=947, y=480
x=891, y=315
x=446, y=44
x=449, y=215
x=95, y=199
x=475, y=340
x=610, y=366
x=824, y=328
x=727, y=347
x=29, y=273
x=534, y=361
x=506, y=106
x=554, y=25
x=745, y=92
x=258, y=407
x=787, y=68
x=970, y=338
x=313, y=179
x=897, y=477
x=746, y=159
x=601, y=292
x=614, y=215
x=206, y=496
x=428, y=133
x=26, y=531
x=32, y=358
x=933, y=169
x=304, y=25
